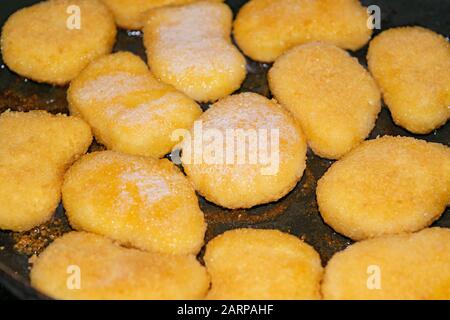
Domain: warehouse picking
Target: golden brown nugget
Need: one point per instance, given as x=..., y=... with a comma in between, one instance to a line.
x=189, y=47
x=386, y=186
x=262, y=264
x=265, y=29
x=408, y=266
x=244, y=150
x=333, y=97
x=130, y=14
x=138, y=201
x=35, y=150
x=411, y=66
x=128, y=109
x=108, y=271
x=42, y=42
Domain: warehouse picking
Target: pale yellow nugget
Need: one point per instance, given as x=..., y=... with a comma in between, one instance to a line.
x=409, y=266
x=189, y=47
x=265, y=29
x=262, y=264
x=130, y=14
x=54, y=40
x=386, y=186
x=244, y=151
x=128, y=109
x=138, y=201
x=412, y=68
x=82, y=265
x=35, y=150
x=333, y=97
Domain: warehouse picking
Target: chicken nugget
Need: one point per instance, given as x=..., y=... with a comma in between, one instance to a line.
x=189, y=47
x=386, y=186
x=82, y=265
x=35, y=150
x=138, y=201
x=262, y=264
x=265, y=29
x=412, y=68
x=54, y=40
x=333, y=97
x=407, y=266
x=245, y=150
x=128, y=109
x=130, y=14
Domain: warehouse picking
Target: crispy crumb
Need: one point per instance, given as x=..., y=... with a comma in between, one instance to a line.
x=32, y=242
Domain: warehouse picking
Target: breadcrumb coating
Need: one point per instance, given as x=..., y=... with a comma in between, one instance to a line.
x=138, y=201
x=411, y=66
x=408, y=266
x=37, y=42
x=36, y=148
x=262, y=264
x=130, y=14
x=265, y=29
x=268, y=137
x=129, y=110
x=335, y=100
x=386, y=186
x=108, y=271
x=190, y=48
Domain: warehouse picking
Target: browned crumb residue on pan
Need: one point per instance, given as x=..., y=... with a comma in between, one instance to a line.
x=217, y=215
x=17, y=101
x=11, y=100
x=35, y=240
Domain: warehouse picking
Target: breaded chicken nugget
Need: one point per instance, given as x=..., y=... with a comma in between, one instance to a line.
x=244, y=150
x=262, y=264
x=334, y=98
x=189, y=47
x=412, y=67
x=35, y=150
x=128, y=109
x=130, y=14
x=138, y=201
x=407, y=266
x=44, y=42
x=385, y=186
x=264, y=29
x=82, y=265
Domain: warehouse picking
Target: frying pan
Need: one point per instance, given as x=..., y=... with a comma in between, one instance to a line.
x=296, y=213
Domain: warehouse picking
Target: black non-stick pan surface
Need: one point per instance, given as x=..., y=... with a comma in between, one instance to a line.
x=296, y=213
